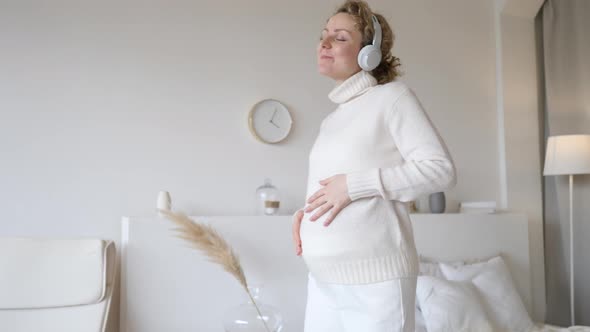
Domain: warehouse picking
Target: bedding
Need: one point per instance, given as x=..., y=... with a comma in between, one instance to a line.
x=450, y=306
x=498, y=293
x=473, y=296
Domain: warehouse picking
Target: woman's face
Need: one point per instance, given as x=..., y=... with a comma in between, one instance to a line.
x=339, y=47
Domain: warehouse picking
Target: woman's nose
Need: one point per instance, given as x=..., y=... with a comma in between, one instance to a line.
x=324, y=43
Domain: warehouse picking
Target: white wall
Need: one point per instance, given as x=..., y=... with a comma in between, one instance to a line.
x=448, y=58
x=103, y=104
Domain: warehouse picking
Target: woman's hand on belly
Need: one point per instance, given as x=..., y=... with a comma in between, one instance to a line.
x=333, y=197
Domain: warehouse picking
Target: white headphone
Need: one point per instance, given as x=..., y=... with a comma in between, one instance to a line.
x=370, y=55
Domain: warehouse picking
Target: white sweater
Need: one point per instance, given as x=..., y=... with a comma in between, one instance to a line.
x=381, y=138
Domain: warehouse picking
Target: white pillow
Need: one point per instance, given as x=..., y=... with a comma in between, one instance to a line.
x=499, y=296
x=430, y=267
x=450, y=306
x=419, y=324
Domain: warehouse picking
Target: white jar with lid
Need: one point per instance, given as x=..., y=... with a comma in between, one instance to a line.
x=164, y=202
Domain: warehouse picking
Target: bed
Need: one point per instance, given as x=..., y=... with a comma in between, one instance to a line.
x=473, y=249
x=166, y=286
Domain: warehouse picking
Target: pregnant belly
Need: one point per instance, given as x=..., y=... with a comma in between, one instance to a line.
x=364, y=225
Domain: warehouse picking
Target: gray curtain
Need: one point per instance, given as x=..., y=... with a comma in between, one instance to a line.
x=563, y=28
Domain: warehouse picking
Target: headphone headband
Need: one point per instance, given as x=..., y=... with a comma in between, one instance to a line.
x=377, y=34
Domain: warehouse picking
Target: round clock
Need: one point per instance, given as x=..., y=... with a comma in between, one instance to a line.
x=270, y=121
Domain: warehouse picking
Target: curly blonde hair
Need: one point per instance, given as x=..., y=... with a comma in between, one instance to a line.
x=388, y=69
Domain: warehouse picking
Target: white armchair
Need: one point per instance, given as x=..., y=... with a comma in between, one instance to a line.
x=55, y=285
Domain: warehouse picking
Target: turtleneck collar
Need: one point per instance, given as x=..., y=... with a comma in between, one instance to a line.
x=353, y=86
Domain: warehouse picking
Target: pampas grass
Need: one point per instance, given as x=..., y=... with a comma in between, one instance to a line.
x=207, y=240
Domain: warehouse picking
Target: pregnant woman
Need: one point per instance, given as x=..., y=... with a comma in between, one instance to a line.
x=374, y=153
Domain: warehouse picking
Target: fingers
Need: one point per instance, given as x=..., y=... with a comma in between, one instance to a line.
x=325, y=208
x=296, y=229
x=315, y=205
x=332, y=215
x=316, y=195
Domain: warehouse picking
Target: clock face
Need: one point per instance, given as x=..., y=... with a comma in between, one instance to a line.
x=270, y=121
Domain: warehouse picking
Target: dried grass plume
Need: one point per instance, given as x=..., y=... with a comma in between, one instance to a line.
x=207, y=240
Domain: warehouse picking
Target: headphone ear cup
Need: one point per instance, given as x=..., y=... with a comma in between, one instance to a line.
x=369, y=57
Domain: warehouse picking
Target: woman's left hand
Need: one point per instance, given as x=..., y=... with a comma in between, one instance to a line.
x=332, y=197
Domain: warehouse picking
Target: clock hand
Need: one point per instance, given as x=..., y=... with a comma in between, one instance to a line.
x=274, y=124
x=273, y=115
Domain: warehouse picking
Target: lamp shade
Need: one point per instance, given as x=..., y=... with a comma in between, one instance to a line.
x=567, y=155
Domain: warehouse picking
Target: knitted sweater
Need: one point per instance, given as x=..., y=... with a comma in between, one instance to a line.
x=381, y=138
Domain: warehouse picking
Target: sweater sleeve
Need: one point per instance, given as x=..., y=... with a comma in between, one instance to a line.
x=427, y=166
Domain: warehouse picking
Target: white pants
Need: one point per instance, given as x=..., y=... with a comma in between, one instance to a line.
x=387, y=306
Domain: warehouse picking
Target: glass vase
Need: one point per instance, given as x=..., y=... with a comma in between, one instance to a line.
x=246, y=318
x=268, y=200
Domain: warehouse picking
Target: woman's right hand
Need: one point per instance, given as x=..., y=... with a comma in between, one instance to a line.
x=297, y=217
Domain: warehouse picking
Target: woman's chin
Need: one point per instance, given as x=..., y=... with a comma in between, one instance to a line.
x=326, y=72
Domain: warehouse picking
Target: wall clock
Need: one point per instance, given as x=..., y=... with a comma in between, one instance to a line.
x=270, y=121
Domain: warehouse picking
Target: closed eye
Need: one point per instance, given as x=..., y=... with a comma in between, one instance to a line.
x=337, y=39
